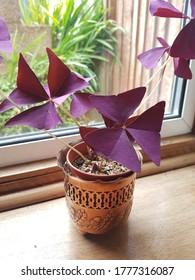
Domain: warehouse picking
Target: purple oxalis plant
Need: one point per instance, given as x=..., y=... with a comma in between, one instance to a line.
x=115, y=141
x=123, y=128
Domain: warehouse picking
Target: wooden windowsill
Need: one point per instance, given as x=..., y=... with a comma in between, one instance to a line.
x=26, y=184
x=161, y=226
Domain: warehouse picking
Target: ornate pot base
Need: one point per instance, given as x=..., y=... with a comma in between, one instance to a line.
x=97, y=207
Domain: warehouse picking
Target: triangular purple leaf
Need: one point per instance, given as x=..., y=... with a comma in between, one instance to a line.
x=185, y=50
x=150, y=58
x=181, y=68
x=28, y=83
x=40, y=117
x=20, y=98
x=58, y=73
x=80, y=104
x=61, y=80
x=162, y=8
x=149, y=141
x=119, y=107
x=151, y=119
x=145, y=130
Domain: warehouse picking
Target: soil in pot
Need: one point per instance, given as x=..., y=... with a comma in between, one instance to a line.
x=97, y=168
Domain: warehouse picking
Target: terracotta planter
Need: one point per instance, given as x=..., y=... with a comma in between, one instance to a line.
x=97, y=206
x=72, y=155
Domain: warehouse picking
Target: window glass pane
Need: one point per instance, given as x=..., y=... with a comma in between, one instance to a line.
x=141, y=30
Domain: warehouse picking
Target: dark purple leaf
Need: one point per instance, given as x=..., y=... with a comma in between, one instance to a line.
x=80, y=104
x=162, y=8
x=150, y=58
x=192, y=3
x=182, y=69
x=5, y=43
x=145, y=130
x=183, y=46
x=40, y=117
x=109, y=123
x=119, y=107
x=61, y=80
x=58, y=73
x=86, y=130
x=151, y=119
x=28, y=83
x=149, y=141
x=72, y=85
x=114, y=144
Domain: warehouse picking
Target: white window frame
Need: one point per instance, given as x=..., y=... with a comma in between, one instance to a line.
x=45, y=149
x=183, y=124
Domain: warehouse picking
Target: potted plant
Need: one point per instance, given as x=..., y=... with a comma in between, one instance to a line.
x=100, y=170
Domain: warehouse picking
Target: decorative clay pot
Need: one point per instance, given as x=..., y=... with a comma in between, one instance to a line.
x=97, y=206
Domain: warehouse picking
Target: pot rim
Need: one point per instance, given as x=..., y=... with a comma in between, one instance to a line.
x=75, y=177
x=92, y=177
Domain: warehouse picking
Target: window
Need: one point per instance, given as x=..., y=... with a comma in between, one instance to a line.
x=180, y=96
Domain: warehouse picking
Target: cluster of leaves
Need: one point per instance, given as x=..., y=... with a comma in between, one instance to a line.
x=116, y=140
x=182, y=49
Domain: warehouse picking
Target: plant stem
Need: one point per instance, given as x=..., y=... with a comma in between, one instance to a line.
x=160, y=80
x=9, y=99
x=67, y=113
x=163, y=67
x=66, y=144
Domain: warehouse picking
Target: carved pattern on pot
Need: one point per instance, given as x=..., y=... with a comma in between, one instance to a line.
x=99, y=223
x=99, y=200
x=96, y=207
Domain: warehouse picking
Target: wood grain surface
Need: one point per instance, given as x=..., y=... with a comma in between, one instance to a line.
x=161, y=226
